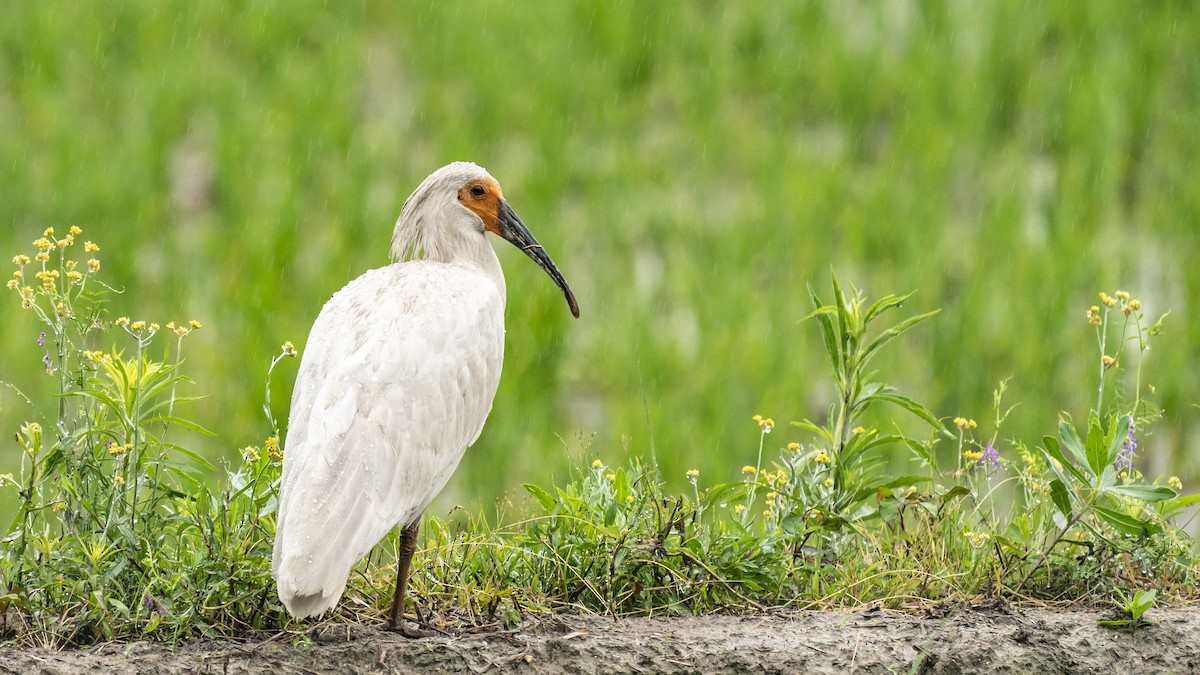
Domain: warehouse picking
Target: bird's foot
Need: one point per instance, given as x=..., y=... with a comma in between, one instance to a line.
x=409, y=629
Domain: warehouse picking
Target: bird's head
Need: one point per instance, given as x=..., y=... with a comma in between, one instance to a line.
x=458, y=201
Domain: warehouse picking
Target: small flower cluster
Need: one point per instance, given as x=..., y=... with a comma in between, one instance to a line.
x=766, y=424
x=48, y=277
x=271, y=445
x=182, y=330
x=964, y=423
x=977, y=539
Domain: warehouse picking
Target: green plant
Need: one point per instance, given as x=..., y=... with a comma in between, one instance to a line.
x=1094, y=483
x=847, y=456
x=1133, y=608
x=118, y=533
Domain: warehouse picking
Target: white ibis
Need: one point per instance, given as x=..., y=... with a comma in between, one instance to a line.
x=396, y=381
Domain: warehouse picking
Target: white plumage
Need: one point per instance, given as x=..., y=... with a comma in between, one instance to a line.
x=396, y=381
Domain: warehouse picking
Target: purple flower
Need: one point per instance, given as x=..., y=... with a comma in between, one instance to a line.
x=1128, y=449
x=152, y=604
x=42, y=339
x=990, y=455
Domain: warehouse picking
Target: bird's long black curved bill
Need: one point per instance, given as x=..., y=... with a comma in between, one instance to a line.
x=512, y=229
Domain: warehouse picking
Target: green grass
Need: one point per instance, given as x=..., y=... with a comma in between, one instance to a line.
x=118, y=535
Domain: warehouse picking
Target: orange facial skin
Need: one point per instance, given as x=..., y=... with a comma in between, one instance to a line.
x=484, y=198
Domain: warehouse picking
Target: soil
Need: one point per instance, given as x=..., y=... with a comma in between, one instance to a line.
x=993, y=639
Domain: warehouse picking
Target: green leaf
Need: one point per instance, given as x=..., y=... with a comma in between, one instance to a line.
x=1125, y=523
x=1146, y=493
x=1053, y=452
x=893, y=333
x=916, y=409
x=1066, y=430
x=793, y=523
x=821, y=432
x=832, y=346
x=1060, y=497
x=884, y=304
x=1118, y=438
x=544, y=498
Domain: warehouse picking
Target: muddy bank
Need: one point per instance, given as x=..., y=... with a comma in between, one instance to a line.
x=994, y=640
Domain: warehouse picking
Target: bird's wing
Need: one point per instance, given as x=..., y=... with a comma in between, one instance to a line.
x=396, y=380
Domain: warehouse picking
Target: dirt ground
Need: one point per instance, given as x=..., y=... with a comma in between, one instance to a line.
x=993, y=639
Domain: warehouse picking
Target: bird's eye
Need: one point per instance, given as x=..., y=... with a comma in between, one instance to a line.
x=478, y=191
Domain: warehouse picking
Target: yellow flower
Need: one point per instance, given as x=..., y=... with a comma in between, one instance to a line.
x=26, y=297
x=610, y=476
x=62, y=310
x=794, y=447
x=63, y=243
x=90, y=247
x=153, y=328
x=821, y=458
x=749, y=470
x=60, y=506
x=1122, y=295
x=766, y=425
x=271, y=445
x=1107, y=300
x=858, y=430
x=628, y=499
x=829, y=482
x=49, y=232
x=693, y=474
x=6, y=479
x=93, y=265
x=13, y=283
x=194, y=324
x=21, y=260
x=181, y=331
x=42, y=257
x=74, y=276
x=973, y=455
x=123, y=321
x=738, y=508
x=1109, y=362
x=289, y=349
x=75, y=231
x=1135, y=304
x=597, y=464
x=48, y=278
x=118, y=450
x=977, y=539
x=250, y=454
x=137, y=325
x=119, y=480
x=1174, y=483
x=44, y=244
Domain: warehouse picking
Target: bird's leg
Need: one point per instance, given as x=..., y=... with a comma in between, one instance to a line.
x=408, y=546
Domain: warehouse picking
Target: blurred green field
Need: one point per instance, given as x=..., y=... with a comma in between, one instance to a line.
x=690, y=167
